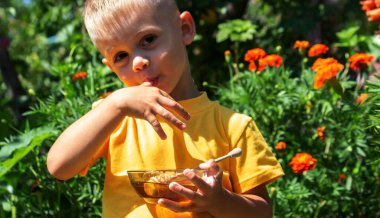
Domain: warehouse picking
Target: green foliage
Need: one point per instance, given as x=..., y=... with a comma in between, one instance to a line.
x=236, y=31
x=289, y=109
x=49, y=45
x=349, y=37
x=12, y=151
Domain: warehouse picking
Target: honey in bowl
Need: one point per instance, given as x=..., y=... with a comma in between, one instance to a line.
x=152, y=185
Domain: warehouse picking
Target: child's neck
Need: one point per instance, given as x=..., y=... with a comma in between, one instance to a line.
x=186, y=94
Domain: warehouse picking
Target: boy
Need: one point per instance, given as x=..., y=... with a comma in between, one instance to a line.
x=147, y=125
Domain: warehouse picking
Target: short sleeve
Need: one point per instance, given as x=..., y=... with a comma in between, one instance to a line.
x=257, y=165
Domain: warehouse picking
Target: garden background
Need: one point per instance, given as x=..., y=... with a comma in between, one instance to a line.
x=316, y=101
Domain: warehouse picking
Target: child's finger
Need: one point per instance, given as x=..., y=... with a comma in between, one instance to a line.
x=202, y=185
x=152, y=119
x=170, y=103
x=185, y=192
x=159, y=110
x=211, y=167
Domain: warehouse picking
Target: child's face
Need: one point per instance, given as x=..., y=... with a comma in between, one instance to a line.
x=152, y=48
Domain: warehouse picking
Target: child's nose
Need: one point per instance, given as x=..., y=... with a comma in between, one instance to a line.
x=139, y=64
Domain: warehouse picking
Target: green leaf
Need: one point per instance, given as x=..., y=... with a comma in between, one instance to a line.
x=236, y=30
x=12, y=152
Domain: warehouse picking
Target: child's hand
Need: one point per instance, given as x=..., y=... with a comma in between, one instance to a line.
x=206, y=198
x=146, y=102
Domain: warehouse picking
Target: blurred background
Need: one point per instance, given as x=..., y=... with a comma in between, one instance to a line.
x=51, y=73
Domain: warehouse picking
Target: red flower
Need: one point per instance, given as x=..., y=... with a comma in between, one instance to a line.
x=254, y=54
x=302, y=162
x=321, y=133
x=79, y=75
x=372, y=9
x=326, y=69
x=272, y=60
x=280, y=146
x=317, y=49
x=368, y=5
x=342, y=177
x=301, y=44
x=360, y=60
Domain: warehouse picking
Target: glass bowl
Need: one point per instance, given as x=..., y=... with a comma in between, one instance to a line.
x=154, y=184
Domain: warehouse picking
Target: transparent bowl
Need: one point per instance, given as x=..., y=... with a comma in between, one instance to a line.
x=154, y=184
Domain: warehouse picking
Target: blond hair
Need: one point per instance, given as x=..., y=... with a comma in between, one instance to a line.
x=103, y=18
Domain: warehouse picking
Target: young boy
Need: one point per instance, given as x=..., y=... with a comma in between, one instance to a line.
x=148, y=126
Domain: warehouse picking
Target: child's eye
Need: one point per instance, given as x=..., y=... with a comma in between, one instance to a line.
x=148, y=40
x=121, y=56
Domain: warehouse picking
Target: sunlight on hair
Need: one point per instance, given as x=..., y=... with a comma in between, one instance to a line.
x=105, y=18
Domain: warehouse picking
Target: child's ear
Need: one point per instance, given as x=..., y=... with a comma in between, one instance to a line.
x=187, y=27
x=105, y=61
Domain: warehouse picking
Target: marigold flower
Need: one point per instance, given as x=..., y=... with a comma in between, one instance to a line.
x=302, y=162
x=368, y=5
x=373, y=15
x=321, y=133
x=317, y=49
x=254, y=54
x=360, y=60
x=372, y=9
x=301, y=44
x=253, y=67
x=320, y=63
x=227, y=56
x=272, y=60
x=361, y=98
x=79, y=75
x=280, y=146
x=342, y=177
x=326, y=69
x=227, y=53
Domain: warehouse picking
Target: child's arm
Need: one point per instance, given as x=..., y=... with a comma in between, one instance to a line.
x=74, y=148
x=218, y=201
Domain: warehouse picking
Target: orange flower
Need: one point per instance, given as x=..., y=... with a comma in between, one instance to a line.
x=254, y=54
x=368, y=5
x=326, y=69
x=252, y=66
x=321, y=133
x=317, y=49
x=320, y=63
x=373, y=15
x=372, y=9
x=361, y=98
x=301, y=44
x=79, y=75
x=272, y=60
x=360, y=60
x=280, y=146
x=342, y=177
x=227, y=53
x=302, y=162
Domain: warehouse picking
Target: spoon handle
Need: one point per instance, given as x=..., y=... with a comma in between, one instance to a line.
x=236, y=152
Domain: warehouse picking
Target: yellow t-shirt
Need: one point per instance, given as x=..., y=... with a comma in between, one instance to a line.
x=212, y=131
